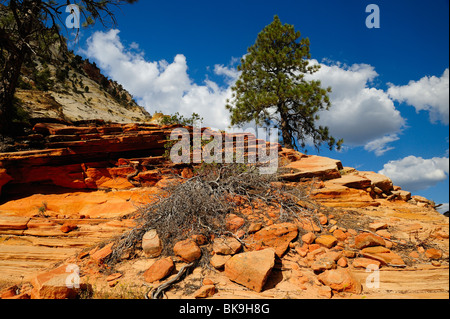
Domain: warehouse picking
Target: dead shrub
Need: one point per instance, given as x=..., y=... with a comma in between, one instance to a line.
x=199, y=206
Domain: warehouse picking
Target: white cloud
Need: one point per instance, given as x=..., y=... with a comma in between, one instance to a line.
x=444, y=208
x=161, y=85
x=430, y=94
x=360, y=114
x=415, y=173
x=379, y=146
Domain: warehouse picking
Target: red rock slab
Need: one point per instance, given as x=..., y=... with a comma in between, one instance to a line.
x=276, y=236
x=251, y=269
x=52, y=284
x=340, y=279
x=333, y=195
x=379, y=180
x=352, y=181
x=13, y=223
x=314, y=166
x=101, y=254
x=159, y=270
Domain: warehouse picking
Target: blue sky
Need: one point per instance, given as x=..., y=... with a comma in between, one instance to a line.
x=390, y=85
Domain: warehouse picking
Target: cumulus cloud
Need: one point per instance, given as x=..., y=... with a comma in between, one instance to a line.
x=360, y=114
x=379, y=146
x=161, y=85
x=416, y=173
x=430, y=94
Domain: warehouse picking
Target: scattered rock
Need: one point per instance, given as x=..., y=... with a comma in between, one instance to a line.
x=113, y=277
x=326, y=240
x=342, y=262
x=234, y=222
x=276, y=236
x=309, y=238
x=251, y=269
x=377, y=226
x=323, y=220
x=68, y=227
x=339, y=235
x=402, y=195
x=159, y=270
x=218, y=261
x=364, y=263
x=254, y=227
x=322, y=264
x=151, y=244
x=101, y=254
x=433, y=253
x=378, y=180
x=187, y=250
x=205, y=292
x=340, y=279
x=53, y=285
x=367, y=239
x=226, y=246
x=325, y=292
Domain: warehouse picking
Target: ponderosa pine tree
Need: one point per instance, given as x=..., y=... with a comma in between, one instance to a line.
x=272, y=89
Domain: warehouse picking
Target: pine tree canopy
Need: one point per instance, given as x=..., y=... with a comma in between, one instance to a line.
x=273, y=92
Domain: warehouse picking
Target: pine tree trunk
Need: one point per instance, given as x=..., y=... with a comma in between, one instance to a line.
x=285, y=132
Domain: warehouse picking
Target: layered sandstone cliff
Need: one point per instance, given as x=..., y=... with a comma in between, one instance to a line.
x=64, y=203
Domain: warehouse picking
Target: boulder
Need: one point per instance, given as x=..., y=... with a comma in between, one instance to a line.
x=383, y=255
x=219, y=261
x=312, y=166
x=276, y=236
x=53, y=285
x=251, y=269
x=187, y=250
x=367, y=240
x=308, y=238
x=340, y=279
x=103, y=253
x=326, y=241
x=68, y=227
x=378, y=180
x=377, y=226
x=352, y=181
x=323, y=264
x=226, y=246
x=365, y=262
x=433, y=253
x=402, y=195
x=151, y=244
x=234, y=222
x=205, y=292
x=159, y=270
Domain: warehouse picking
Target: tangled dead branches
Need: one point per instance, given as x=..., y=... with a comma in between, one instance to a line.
x=200, y=205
